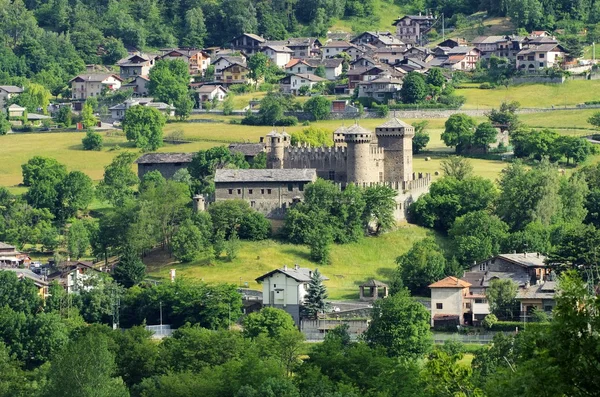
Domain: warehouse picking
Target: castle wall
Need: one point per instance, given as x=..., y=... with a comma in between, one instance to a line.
x=330, y=163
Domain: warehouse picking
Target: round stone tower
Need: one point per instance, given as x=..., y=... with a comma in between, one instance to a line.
x=358, y=142
x=276, y=144
x=395, y=137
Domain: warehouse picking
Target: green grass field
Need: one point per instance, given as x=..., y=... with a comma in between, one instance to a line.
x=570, y=93
x=352, y=263
x=386, y=12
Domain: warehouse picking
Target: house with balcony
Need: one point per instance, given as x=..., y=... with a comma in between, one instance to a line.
x=279, y=55
x=135, y=65
x=534, y=58
x=286, y=288
x=235, y=74
x=139, y=85
x=225, y=61
x=380, y=89
x=462, y=58
x=86, y=86
x=334, y=48
x=302, y=47
x=413, y=29
x=378, y=39
x=333, y=67
x=198, y=60
x=247, y=43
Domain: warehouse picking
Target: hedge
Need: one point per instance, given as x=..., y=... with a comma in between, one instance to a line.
x=508, y=326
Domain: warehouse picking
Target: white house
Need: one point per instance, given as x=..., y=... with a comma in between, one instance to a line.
x=333, y=67
x=538, y=57
x=333, y=48
x=117, y=112
x=7, y=92
x=224, y=61
x=380, y=88
x=293, y=83
x=85, y=86
x=209, y=92
x=279, y=55
x=135, y=65
x=448, y=302
x=286, y=288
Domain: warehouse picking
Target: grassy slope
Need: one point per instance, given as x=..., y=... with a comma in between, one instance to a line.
x=352, y=263
x=386, y=12
x=534, y=95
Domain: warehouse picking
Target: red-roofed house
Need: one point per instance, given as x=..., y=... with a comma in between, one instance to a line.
x=448, y=302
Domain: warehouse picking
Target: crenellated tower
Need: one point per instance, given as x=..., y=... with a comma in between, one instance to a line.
x=276, y=143
x=358, y=142
x=395, y=137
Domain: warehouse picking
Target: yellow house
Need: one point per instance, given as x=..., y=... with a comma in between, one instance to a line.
x=236, y=74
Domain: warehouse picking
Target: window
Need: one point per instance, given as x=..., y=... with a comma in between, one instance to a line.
x=332, y=175
x=439, y=306
x=249, y=191
x=252, y=204
x=541, y=64
x=482, y=267
x=381, y=177
x=541, y=56
x=481, y=301
x=301, y=187
x=290, y=187
x=262, y=191
x=547, y=308
x=239, y=191
x=468, y=305
x=268, y=191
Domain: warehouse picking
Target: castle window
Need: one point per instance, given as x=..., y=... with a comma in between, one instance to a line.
x=268, y=191
x=252, y=204
x=380, y=176
x=230, y=191
x=290, y=187
x=262, y=191
x=249, y=191
x=239, y=191
x=301, y=187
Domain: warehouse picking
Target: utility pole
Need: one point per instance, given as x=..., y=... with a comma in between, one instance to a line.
x=116, y=305
x=443, y=28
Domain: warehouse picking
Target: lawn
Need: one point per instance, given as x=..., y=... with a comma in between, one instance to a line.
x=386, y=12
x=569, y=120
x=570, y=93
x=352, y=263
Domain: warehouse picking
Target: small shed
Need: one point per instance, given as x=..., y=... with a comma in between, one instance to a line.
x=376, y=290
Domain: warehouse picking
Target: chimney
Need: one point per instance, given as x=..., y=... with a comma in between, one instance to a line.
x=285, y=268
x=310, y=273
x=296, y=266
x=538, y=254
x=172, y=275
x=527, y=284
x=525, y=254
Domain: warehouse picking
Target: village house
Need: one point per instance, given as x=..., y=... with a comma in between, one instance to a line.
x=333, y=48
x=139, y=85
x=361, y=74
x=302, y=47
x=293, y=83
x=197, y=60
x=135, y=65
x=235, y=73
x=509, y=47
x=380, y=89
x=210, y=92
x=165, y=163
x=117, y=112
x=224, y=61
x=462, y=58
x=363, y=61
x=286, y=289
x=378, y=39
x=536, y=57
x=419, y=53
x=248, y=149
x=41, y=282
x=74, y=276
x=7, y=92
x=18, y=115
x=333, y=67
x=86, y=86
x=247, y=43
x=487, y=45
x=448, y=302
x=391, y=56
x=279, y=55
x=10, y=257
x=453, y=42
x=413, y=29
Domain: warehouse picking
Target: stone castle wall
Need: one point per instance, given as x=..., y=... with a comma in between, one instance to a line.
x=328, y=161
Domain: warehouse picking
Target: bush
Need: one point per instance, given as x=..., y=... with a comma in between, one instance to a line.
x=487, y=86
x=510, y=326
x=241, y=88
x=255, y=226
x=92, y=141
x=287, y=121
x=489, y=321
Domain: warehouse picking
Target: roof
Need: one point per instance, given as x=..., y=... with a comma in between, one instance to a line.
x=395, y=123
x=241, y=65
x=338, y=44
x=301, y=274
x=354, y=129
x=531, y=259
x=546, y=290
x=541, y=48
x=247, y=149
x=207, y=88
x=95, y=77
x=26, y=273
x=11, y=89
x=474, y=278
x=252, y=36
x=461, y=49
x=487, y=39
x=231, y=59
x=293, y=42
x=14, y=106
x=381, y=80
x=278, y=48
x=414, y=17
x=450, y=282
x=520, y=278
x=373, y=283
x=311, y=77
x=327, y=62
x=36, y=116
x=165, y=158
x=266, y=175
x=4, y=246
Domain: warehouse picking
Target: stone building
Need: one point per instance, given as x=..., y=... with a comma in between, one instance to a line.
x=270, y=192
x=166, y=163
x=360, y=157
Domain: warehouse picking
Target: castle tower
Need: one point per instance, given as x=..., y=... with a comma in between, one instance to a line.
x=358, y=142
x=395, y=137
x=276, y=144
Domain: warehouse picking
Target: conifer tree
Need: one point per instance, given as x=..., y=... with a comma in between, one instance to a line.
x=314, y=301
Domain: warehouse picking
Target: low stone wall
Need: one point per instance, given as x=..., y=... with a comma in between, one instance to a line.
x=538, y=79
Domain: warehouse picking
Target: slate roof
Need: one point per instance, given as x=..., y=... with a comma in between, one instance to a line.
x=530, y=259
x=278, y=48
x=310, y=77
x=541, y=48
x=293, y=42
x=450, y=282
x=231, y=59
x=461, y=49
x=165, y=158
x=95, y=77
x=252, y=36
x=415, y=17
x=519, y=278
x=327, y=62
x=355, y=129
x=538, y=291
x=487, y=39
x=267, y=175
x=208, y=88
x=14, y=106
x=26, y=273
x=338, y=44
x=247, y=149
x=395, y=123
x=5, y=246
x=11, y=89
x=300, y=274
x=373, y=283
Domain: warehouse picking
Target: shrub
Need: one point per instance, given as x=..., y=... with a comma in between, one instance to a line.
x=511, y=326
x=489, y=321
x=92, y=141
x=241, y=88
x=287, y=121
x=486, y=86
x=254, y=226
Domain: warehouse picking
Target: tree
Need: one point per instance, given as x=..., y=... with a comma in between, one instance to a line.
x=169, y=81
x=485, y=134
x=114, y=50
x=183, y=107
x=459, y=132
x=144, y=125
x=5, y=125
x=87, y=116
x=205, y=163
x=119, y=180
x=318, y=107
x=188, y=242
x=594, y=120
x=35, y=98
x=95, y=368
x=254, y=226
x=477, y=236
x=380, y=202
x=457, y=167
x=320, y=71
x=413, y=89
x=400, y=325
x=316, y=294
x=489, y=321
x=423, y=264
x=20, y=295
x=195, y=28
x=313, y=136
x=130, y=270
x=501, y=296
x=268, y=321
x=421, y=138
x=436, y=78
x=228, y=105
x=65, y=116
x=41, y=168
x=78, y=239
x=573, y=148
x=75, y=192
x=506, y=116
x=92, y=141
x=575, y=248
x=257, y=64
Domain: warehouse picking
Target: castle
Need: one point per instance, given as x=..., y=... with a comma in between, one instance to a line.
x=358, y=156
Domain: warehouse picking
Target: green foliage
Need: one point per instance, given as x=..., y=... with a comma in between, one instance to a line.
x=413, y=89
x=316, y=294
x=457, y=167
x=232, y=246
x=268, y=321
x=421, y=138
x=78, y=239
x=506, y=116
x=144, y=125
x=87, y=116
x=254, y=226
x=130, y=270
x=489, y=321
x=501, y=297
x=379, y=209
x=188, y=242
x=423, y=264
x=485, y=134
x=228, y=105
x=257, y=64
x=92, y=141
x=206, y=162
x=5, y=125
x=39, y=168
x=65, y=116
x=459, y=132
x=119, y=180
x=169, y=81
x=315, y=137
x=400, y=325
x=318, y=107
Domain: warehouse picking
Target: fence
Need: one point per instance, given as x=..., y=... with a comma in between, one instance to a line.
x=482, y=339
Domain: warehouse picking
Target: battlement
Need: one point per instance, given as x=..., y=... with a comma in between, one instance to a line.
x=307, y=149
x=378, y=151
